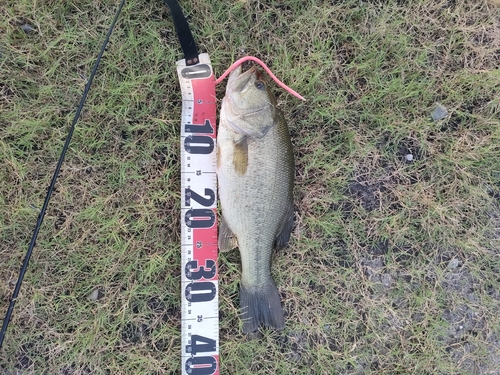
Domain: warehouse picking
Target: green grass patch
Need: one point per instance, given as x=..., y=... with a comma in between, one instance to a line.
x=393, y=263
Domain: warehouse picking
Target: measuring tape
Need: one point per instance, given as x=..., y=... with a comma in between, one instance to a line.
x=199, y=288
x=199, y=277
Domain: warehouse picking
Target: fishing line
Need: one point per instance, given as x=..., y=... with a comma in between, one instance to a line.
x=53, y=181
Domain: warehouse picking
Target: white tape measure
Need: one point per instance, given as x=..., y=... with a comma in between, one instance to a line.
x=199, y=288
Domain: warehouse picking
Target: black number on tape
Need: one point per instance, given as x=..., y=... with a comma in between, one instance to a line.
x=206, y=128
x=200, y=344
x=201, y=365
x=199, y=218
x=194, y=273
x=199, y=144
x=202, y=291
x=207, y=202
x=196, y=71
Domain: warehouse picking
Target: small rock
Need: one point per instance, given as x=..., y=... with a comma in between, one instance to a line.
x=27, y=28
x=96, y=294
x=453, y=264
x=409, y=157
x=439, y=113
x=386, y=280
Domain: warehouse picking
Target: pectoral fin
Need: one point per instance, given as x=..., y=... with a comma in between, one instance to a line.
x=285, y=231
x=240, y=157
x=227, y=239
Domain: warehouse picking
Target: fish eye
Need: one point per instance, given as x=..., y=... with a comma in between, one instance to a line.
x=260, y=85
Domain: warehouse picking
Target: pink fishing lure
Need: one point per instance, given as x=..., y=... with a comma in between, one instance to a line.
x=261, y=63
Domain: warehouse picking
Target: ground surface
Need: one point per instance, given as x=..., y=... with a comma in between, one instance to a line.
x=393, y=264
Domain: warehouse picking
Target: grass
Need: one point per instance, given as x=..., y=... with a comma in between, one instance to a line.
x=393, y=265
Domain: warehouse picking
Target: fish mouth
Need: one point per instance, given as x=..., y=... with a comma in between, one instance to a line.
x=237, y=110
x=240, y=81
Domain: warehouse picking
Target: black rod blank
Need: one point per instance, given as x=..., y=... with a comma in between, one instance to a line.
x=50, y=190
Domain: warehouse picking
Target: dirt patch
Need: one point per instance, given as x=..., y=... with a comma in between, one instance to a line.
x=368, y=194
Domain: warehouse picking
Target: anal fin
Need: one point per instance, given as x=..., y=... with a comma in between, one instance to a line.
x=285, y=231
x=227, y=239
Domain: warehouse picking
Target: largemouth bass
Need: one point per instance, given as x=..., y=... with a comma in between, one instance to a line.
x=255, y=169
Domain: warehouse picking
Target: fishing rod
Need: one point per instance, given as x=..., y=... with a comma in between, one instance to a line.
x=202, y=91
x=50, y=190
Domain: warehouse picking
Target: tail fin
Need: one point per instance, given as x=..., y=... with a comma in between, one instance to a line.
x=261, y=306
